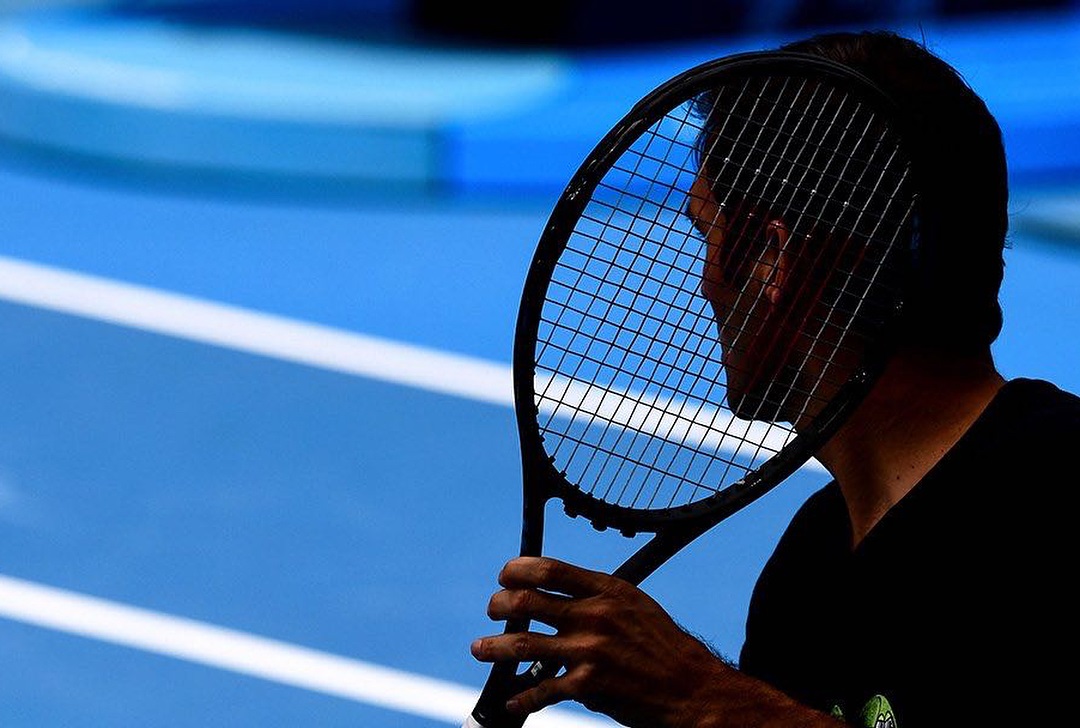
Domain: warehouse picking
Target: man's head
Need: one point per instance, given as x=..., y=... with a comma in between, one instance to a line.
x=786, y=257
x=957, y=147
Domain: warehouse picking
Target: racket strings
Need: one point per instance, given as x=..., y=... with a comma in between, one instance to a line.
x=599, y=273
x=756, y=452
x=695, y=408
x=860, y=282
x=652, y=466
x=636, y=399
x=686, y=416
x=668, y=330
x=773, y=135
x=802, y=221
x=806, y=222
x=615, y=208
x=754, y=449
x=682, y=415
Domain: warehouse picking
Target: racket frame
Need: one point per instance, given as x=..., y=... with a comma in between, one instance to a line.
x=677, y=526
x=542, y=479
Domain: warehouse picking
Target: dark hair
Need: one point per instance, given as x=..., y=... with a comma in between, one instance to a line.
x=958, y=150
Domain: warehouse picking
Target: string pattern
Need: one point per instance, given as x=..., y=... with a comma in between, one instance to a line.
x=723, y=280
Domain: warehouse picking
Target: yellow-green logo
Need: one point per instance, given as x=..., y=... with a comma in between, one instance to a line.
x=877, y=713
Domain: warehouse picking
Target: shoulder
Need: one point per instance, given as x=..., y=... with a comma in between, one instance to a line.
x=1009, y=466
x=1035, y=412
x=822, y=507
x=1038, y=396
x=819, y=528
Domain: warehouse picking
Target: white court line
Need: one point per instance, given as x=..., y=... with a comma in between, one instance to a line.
x=173, y=314
x=235, y=328
x=254, y=332
x=235, y=651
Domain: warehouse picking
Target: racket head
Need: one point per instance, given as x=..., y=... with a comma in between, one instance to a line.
x=633, y=406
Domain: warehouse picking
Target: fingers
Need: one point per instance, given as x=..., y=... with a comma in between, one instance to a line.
x=524, y=647
x=530, y=604
x=517, y=647
x=547, y=693
x=538, y=572
x=562, y=595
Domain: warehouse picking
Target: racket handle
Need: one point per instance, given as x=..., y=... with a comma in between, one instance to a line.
x=472, y=722
x=502, y=684
x=490, y=712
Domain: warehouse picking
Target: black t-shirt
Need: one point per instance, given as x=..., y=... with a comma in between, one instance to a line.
x=954, y=606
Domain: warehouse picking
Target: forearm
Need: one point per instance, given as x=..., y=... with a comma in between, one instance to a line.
x=731, y=699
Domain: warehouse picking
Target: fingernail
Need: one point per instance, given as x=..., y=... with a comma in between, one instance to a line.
x=475, y=647
x=513, y=706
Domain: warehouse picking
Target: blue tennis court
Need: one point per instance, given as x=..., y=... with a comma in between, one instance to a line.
x=258, y=462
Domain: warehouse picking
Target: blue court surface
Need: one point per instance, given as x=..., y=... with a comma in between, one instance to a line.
x=258, y=463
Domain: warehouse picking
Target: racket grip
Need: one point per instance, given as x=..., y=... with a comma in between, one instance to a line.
x=503, y=683
x=472, y=722
x=490, y=711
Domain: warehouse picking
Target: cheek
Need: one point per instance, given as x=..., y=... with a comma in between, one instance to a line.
x=713, y=285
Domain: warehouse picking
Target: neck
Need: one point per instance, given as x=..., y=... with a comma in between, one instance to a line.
x=918, y=409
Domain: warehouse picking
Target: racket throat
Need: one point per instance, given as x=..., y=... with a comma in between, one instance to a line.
x=532, y=528
x=656, y=552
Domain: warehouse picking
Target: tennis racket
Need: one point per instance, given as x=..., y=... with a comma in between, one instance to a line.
x=714, y=293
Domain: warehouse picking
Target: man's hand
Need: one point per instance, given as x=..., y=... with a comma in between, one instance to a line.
x=623, y=654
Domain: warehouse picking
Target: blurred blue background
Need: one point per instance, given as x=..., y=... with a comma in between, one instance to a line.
x=259, y=269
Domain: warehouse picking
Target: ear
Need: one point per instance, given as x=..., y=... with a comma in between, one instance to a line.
x=776, y=260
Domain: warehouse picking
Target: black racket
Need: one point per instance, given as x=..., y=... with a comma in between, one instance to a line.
x=714, y=293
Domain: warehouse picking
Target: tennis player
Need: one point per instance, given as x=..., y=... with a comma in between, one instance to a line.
x=925, y=584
